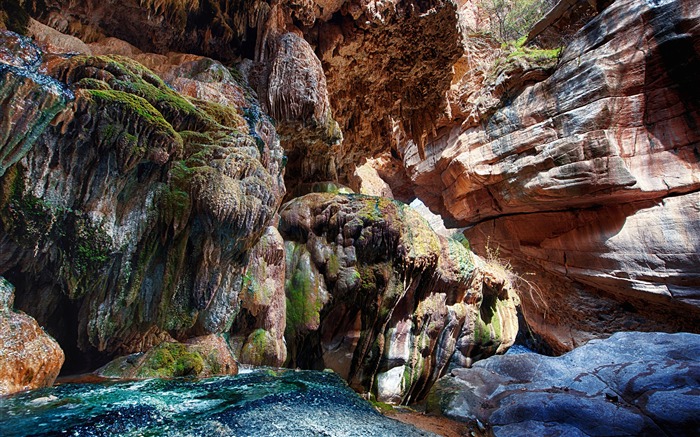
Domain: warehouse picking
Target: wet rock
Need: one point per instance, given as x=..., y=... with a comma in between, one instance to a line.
x=30, y=99
x=199, y=357
x=374, y=294
x=258, y=333
x=29, y=358
x=630, y=384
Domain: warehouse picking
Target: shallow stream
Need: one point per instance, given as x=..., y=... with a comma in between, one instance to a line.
x=259, y=403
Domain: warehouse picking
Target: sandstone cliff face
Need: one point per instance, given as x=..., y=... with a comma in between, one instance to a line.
x=29, y=358
x=374, y=294
x=589, y=178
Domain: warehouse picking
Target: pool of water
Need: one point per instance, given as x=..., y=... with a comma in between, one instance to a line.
x=259, y=403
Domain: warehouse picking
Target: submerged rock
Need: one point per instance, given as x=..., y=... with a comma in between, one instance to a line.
x=29, y=358
x=632, y=383
x=374, y=294
x=264, y=403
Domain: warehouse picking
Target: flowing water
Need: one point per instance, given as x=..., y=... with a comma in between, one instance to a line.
x=259, y=403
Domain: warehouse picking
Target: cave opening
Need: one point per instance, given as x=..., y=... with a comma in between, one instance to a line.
x=59, y=316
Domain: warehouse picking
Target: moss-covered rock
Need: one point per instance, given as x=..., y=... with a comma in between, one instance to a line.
x=132, y=216
x=199, y=357
x=374, y=294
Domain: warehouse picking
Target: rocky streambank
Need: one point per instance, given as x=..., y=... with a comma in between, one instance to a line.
x=632, y=383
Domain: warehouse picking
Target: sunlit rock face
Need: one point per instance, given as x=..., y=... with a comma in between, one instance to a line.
x=588, y=180
x=130, y=219
x=374, y=294
x=29, y=358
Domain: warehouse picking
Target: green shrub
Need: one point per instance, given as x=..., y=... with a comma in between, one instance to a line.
x=512, y=19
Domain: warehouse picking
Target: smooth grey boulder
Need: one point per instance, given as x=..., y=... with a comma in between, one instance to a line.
x=632, y=383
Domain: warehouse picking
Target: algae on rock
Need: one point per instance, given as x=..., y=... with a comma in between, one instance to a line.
x=131, y=216
x=374, y=294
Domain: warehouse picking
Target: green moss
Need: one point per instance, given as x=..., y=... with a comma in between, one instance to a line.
x=175, y=206
x=224, y=115
x=299, y=310
x=91, y=246
x=121, y=74
x=333, y=265
x=377, y=209
x=382, y=407
x=302, y=290
x=461, y=239
x=482, y=333
x=169, y=360
x=534, y=54
x=255, y=348
x=125, y=103
x=92, y=84
x=27, y=219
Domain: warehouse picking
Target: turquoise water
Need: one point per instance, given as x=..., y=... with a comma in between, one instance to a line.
x=261, y=403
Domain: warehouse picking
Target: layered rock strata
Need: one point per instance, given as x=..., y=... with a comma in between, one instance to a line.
x=589, y=179
x=374, y=294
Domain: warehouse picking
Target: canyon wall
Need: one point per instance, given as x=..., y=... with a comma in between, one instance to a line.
x=140, y=209
x=587, y=180
x=146, y=152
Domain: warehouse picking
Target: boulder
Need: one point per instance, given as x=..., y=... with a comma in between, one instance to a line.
x=633, y=383
x=29, y=357
x=199, y=357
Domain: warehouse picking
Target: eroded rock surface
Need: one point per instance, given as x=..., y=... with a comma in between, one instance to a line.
x=374, y=294
x=630, y=384
x=130, y=219
x=589, y=179
x=29, y=358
